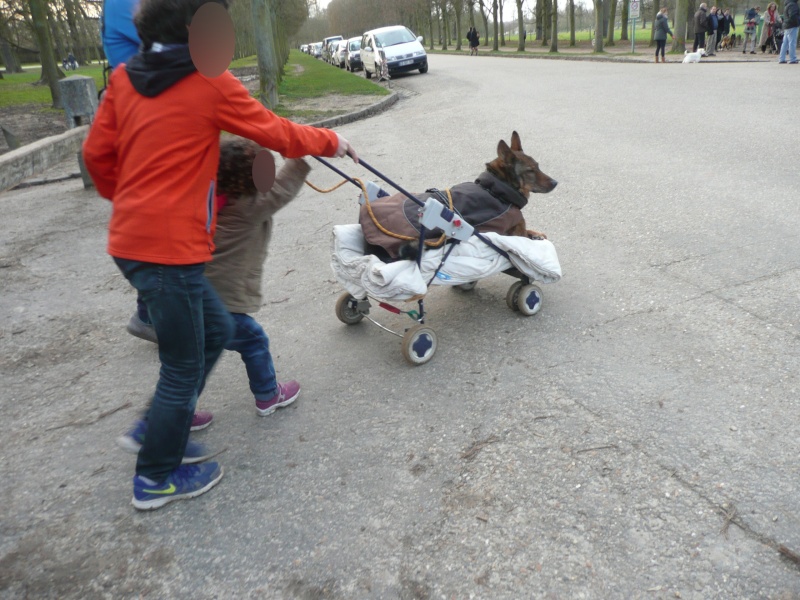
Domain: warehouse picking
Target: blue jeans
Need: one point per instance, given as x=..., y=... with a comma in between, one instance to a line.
x=192, y=326
x=252, y=343
x=790, y=44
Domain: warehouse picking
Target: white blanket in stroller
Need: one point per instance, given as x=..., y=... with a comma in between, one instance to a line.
x=366, y=275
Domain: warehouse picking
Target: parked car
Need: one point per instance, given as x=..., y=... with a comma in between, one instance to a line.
x=316, y=50
x=395, y=46
x=304, y=48
x=352, y=58
x=338, y=54
x=326, y=46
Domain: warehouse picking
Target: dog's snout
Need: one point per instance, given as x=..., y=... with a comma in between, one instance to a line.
x=553, y=183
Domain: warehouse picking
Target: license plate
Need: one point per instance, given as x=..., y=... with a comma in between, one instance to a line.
x=403, y=63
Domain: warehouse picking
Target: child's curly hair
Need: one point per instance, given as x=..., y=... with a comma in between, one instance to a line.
x=235, y=171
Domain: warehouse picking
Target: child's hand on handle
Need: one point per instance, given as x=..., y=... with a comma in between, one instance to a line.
x=346, y=149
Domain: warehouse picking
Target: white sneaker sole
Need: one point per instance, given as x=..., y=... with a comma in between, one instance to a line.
x=268, y=411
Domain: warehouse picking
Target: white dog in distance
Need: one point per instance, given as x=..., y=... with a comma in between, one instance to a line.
x=694, y=57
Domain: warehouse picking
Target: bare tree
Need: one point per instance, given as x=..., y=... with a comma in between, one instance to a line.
x=458, y=8
x=612, y=18
x=443, y=10
x=598, y=24
x=623, y=34
x=554, y=28
x=572, y=23
x=48, y=57
x=521, y=27
x=681, y=13
x=502, y=25
x=263, y=19
x=494, y=19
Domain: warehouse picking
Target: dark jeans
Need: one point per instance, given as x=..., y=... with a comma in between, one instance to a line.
x=699, y=41
x=192, y=326
x=252, y=343
x=660, y=45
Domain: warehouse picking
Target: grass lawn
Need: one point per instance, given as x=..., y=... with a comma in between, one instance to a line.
x=19, y=89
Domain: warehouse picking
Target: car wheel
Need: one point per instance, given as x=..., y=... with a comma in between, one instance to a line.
x=424, y=69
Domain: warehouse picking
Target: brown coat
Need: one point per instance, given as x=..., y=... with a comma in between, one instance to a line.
x=244, y=228
x=488, y=204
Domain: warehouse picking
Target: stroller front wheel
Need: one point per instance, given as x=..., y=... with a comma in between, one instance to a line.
x=419, y=344
x=529, y=300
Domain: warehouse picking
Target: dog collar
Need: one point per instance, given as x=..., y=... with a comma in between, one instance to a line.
x=500, y=189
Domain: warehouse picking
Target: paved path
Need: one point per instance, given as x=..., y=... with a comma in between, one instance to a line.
x=636, y=439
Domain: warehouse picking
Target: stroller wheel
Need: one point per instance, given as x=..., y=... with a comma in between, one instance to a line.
x=512, y=295
x=346, y=310
x=467, y=287
x=529, y=300
x=419, y=344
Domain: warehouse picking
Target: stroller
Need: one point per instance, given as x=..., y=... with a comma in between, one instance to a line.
x=466, y=257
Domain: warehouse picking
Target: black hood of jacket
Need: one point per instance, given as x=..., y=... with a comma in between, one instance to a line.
x=500, y=189
x=153, y=72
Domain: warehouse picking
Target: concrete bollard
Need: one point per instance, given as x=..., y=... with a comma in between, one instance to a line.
x=79, y=97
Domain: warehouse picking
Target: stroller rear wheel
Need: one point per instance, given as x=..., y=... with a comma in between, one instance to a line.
x=347, y=311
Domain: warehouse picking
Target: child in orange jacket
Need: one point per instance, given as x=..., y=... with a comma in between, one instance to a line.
x=153, y=151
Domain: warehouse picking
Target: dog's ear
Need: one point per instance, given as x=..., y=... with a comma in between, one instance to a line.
x=503, y=150
x=516, y=143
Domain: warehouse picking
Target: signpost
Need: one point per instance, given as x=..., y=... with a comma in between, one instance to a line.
x=634, y=14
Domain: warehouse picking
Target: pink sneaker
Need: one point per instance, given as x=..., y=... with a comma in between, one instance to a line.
x=201, y=420
x=287, y=393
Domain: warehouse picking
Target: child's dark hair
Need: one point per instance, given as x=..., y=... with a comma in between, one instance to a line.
x=165, y=21
x=235, y=172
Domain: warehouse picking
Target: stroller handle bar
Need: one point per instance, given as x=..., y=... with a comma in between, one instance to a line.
x=371, y=169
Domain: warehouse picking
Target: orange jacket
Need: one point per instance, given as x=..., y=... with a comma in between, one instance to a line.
x=156, y=159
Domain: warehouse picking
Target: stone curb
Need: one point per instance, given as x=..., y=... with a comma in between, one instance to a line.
x=357, y=115
x=34, y=158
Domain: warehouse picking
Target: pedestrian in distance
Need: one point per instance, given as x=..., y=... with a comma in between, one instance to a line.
x=700, y=27
x=660, y=36
x=770, y=18
x=153, y=150
x=750, y=27
x=726, y=26
x=713, y=28
x=474, y=42
x=791, y=25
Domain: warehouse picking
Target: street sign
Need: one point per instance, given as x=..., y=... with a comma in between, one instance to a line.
x=634, y=9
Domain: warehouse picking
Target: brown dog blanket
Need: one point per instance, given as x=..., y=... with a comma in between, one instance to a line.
x=488, y=204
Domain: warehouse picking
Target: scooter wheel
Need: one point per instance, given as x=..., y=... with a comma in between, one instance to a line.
x=512, y=295
x=346, y=312
x=529, y=300
x=419, y=344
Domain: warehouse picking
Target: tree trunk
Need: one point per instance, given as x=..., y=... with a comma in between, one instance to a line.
x=612, y=18
x=554, y=28
x=521, y=26
x=547, y=18
x=653, y=23
x=265, y=51
x=572, y=23
x=623, y=34
x=539, y=19
x=42, y=33
x=9, y=57
x=485, y=17
x=55, y=32
x=679, y=41
x=606, y=11
x=443, y=9
x=598, y=25
x=430, y=24
x=502, y=26
x=458, y=7
x=494, y=29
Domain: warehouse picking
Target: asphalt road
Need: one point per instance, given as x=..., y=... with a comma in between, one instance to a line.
x=635, y=439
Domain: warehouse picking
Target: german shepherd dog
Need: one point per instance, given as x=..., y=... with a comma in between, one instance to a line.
x=492, y=203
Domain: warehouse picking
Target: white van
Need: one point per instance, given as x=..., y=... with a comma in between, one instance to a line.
x=325, y=46
x=401, y=50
